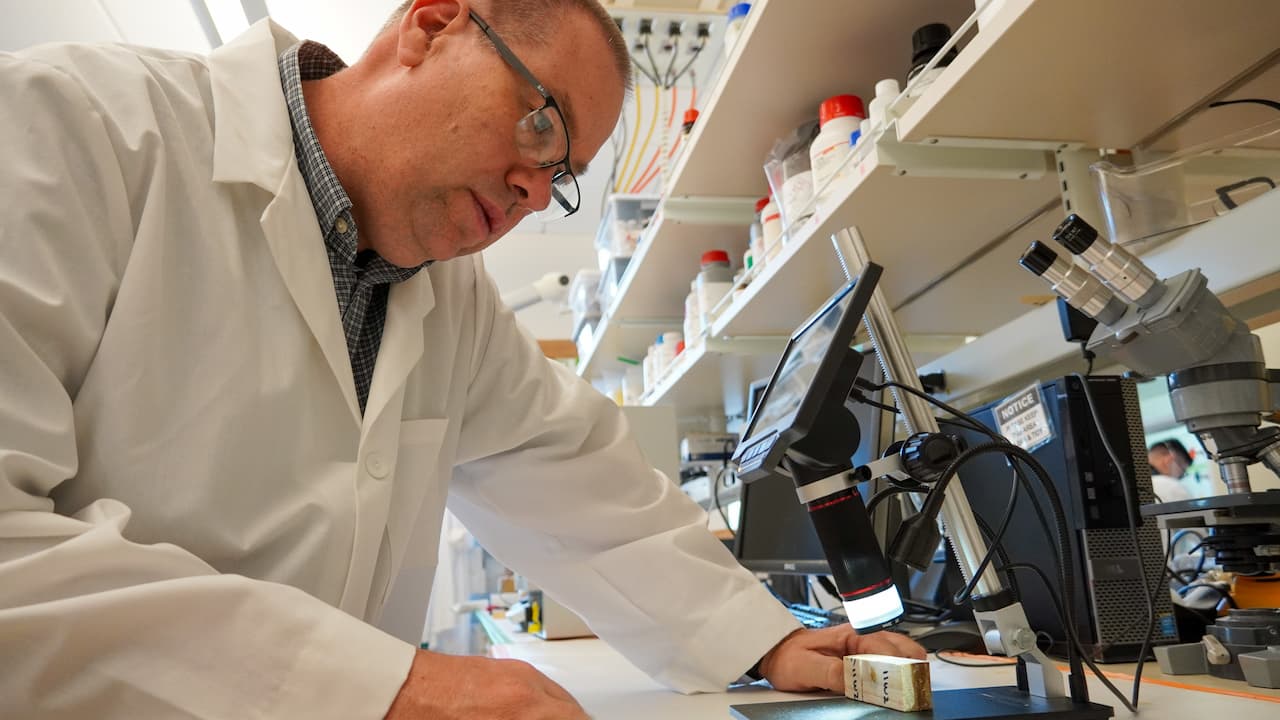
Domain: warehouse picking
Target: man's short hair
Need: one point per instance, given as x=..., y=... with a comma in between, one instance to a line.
x=530, y=21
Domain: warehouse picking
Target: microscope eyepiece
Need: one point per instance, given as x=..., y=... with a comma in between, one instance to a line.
x=1075, y=234
x=1038, y=258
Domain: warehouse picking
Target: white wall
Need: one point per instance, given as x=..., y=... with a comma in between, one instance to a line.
x=160, y=23
x=519, y=258
x=346, y=27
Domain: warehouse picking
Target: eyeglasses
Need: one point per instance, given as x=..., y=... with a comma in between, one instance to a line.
x=542, y=136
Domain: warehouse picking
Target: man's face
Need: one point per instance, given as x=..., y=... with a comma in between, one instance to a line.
x=1162, y=462
x=450, y=179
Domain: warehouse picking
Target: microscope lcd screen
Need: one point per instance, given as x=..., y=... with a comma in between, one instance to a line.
x=797, y=370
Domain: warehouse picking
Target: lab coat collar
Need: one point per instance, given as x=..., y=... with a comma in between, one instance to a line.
x=402, y=343
x=252, y=139
x=253, y=143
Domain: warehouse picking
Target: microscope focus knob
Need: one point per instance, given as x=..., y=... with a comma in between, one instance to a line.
x=926, y=455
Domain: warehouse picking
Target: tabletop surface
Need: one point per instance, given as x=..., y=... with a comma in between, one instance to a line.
x=611, y=688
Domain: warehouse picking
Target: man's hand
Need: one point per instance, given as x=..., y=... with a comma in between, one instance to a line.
x=447, y=687
x=808, y=660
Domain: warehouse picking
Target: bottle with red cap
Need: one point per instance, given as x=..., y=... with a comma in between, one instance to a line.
x=838, y=116
x=713, y=283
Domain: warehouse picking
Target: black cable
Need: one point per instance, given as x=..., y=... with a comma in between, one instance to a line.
x=972, y=422
x=1179, y=574
x=687, y=66
x=1075, y=638
x=1130, y=488
x=653, y=65
x=886, y=494
x=636, y=63
x=990, y=534
x=667, y=82
x=994, y=543
x=1075, y=646
x=1064, y=559
x=1173, y=544
x=934, y=502
x=878, y=405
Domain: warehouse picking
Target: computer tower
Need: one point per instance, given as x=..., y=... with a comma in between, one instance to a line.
x=1109, y=579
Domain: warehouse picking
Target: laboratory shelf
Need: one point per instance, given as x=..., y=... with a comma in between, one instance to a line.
x=951, y=194
x=925, y=213
x=715, y=373
x=658, y=276
x=616, y=337
x=650, y=296
x=1101, y=73
x=792, y=56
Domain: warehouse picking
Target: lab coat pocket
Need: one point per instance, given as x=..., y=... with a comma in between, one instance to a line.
x=421, y=479
x=408, y=556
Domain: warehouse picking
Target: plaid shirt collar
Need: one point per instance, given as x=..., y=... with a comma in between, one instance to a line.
x=312, y=61
x=361, y=280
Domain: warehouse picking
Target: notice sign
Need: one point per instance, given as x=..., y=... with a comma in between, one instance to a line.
x=1023, y=419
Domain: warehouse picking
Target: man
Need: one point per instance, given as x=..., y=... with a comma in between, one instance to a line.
x=1169, y=461
x=250, y=353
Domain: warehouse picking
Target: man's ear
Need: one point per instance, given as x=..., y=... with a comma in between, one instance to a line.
x=423, y=23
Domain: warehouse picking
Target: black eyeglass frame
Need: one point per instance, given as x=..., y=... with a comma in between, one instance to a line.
x=547, y=102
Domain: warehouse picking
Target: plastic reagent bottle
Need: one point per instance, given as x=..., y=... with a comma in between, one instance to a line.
x=839, y=117
x=926, y=41
x=886, y=92
x=714, y=282
x=733, y=29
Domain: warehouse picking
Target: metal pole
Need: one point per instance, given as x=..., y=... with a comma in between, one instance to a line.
x=959, y=524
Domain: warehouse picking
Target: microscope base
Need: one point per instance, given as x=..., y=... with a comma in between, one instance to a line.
x=1008, y=703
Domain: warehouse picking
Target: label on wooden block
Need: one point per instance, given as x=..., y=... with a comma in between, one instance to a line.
x=852, y=688
x=892, y=682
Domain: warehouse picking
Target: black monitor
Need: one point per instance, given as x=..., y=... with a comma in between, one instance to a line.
x=774, y=532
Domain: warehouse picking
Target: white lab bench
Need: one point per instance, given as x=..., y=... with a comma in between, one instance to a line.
x=610, y=688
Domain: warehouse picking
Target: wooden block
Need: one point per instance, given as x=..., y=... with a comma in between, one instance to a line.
x=892, y=682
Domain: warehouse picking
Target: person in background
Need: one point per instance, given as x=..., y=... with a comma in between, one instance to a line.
x=1169, y=461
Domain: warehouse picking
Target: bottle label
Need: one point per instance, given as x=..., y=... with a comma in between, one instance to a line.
x=797, y=191
x=827, y=162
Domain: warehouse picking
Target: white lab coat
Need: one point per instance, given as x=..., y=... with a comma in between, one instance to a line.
x=195, y=520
